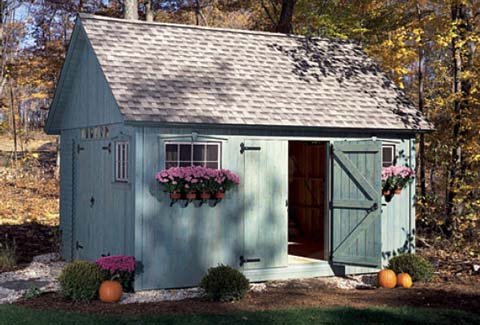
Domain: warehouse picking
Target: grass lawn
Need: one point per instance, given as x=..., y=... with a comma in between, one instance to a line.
x=17, y=315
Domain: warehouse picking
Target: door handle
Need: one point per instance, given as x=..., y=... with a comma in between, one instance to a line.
x=372, y=208
x=78, y=246
x=92, y=201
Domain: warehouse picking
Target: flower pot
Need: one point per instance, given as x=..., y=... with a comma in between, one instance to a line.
x=110, y=291
x=219, y=195
x=398, y=190
x=191, y=195
x=205, y=195
x=175, y=195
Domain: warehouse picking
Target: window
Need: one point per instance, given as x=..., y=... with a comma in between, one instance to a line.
x=121, y=161
x=205, y=154
x=98, y=132
x=388, y=155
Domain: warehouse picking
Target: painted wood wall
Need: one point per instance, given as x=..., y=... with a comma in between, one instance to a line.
x=90, y=101
x=177, y=244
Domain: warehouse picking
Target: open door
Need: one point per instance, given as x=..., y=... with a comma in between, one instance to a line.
x=356, y=203
x=266, y=193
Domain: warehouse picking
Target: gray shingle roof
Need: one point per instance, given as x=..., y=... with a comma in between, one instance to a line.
x=189, y=74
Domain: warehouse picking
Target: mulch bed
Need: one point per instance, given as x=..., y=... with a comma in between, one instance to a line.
x=442, y=296
x=29, y=240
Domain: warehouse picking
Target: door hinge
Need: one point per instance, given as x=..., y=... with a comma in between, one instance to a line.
x=249, y=260
x=244, y=148
x=108, y=147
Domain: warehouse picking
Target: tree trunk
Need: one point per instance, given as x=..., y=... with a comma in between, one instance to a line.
x=198, y=13
x=14, y=124
x=286, y=15
x=462, y=61
x=148, y=10
x=421, y=107
x=131, y=9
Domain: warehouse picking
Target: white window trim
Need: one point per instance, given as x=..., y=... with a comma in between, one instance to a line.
x=121, y=161
x=392, y=146
x=178, y=143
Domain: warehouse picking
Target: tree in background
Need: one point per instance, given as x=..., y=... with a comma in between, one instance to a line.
x=428, y=47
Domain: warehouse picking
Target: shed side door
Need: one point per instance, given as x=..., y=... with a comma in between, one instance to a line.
x=265, y=185
x=356, y=203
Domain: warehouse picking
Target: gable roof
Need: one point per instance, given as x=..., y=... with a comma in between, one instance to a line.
x=170, y=73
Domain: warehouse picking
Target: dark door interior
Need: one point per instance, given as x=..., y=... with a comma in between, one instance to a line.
x=306, y=204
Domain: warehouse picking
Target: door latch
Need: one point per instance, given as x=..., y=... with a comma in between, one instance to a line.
x=250, y=260
x=78, y=246
x=92, y=201
x=372, y=208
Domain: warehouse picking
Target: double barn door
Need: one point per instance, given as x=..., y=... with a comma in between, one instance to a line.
x=355, y=201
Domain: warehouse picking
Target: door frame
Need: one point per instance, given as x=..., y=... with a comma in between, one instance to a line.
x=326, y=196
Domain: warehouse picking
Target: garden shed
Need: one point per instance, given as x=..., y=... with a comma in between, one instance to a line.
x=306, y=123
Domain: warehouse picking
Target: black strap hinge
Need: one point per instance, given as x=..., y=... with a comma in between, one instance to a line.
x=244, y=148
x=108, y=147
x=249, y=260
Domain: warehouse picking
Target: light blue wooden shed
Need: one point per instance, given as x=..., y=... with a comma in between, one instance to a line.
x=306, y=123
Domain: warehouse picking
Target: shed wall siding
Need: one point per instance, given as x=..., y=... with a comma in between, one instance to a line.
x=176, y=245
x=398, y=215
x=67, y=185
x=90, y=101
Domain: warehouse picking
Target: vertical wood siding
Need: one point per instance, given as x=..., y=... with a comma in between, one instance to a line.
x=90, y=101
x=177, y=245
x=398, y=215
x=67, y=185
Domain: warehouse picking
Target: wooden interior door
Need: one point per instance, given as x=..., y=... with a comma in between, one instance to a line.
x=306, y=188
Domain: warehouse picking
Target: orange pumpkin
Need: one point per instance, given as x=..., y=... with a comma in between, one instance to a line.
x=387, y=279
x=110, y=291
x=404, y=280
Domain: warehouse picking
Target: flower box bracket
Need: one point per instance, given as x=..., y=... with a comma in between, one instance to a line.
x=211, y=202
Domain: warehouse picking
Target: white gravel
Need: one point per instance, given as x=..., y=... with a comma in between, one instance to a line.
x=45, y=269
x=160, y=295
x=41, y=273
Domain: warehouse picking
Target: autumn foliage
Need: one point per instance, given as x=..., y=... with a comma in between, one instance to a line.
x=429, y=48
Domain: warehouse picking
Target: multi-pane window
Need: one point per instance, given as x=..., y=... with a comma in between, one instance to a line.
x=121, y=161
x=388, y=155
x=98, y=132
x=205, y=154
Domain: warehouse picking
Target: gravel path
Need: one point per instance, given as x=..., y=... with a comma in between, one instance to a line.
x=42, y=274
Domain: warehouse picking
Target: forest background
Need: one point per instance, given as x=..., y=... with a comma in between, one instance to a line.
x=428, y=47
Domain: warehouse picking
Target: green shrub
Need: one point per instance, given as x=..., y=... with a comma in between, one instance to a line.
x=224, y=283
x=8, y=259
x=418, y=267
x=80, y=281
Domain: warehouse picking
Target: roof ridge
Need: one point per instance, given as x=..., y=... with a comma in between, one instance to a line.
x=215, y=29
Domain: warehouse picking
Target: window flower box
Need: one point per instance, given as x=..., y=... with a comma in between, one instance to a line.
x=189, y=181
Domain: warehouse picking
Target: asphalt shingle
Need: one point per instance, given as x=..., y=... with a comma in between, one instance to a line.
x=189, y=74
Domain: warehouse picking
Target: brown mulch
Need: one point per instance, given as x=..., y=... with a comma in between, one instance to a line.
x=444, y=296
